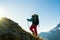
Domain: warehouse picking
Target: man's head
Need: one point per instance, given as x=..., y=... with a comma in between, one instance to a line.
x=34, y=15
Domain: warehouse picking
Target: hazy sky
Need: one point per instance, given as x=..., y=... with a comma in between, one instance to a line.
x=20, y=10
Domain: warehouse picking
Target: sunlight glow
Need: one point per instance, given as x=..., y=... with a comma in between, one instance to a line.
x=2, y=11
x=0, y=18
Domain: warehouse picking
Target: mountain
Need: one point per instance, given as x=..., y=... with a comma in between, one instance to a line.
x=53, y=34
x=10, y=30
x=43, y=35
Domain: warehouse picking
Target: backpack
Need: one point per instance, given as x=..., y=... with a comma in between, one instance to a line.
x=35, y=19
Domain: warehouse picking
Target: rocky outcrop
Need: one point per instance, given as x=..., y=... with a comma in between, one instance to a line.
x=10, y=30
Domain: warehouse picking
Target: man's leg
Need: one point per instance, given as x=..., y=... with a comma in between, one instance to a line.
x=35, y=29
x=31, y=28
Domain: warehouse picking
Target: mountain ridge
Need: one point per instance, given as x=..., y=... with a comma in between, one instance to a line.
x=53, y=34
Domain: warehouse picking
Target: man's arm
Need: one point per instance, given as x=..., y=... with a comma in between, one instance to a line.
x=29, y=19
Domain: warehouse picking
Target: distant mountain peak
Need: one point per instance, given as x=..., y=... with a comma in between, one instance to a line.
x=53, y=34
x=58, y=25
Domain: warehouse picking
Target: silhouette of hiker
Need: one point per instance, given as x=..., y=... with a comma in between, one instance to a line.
x=35, y=21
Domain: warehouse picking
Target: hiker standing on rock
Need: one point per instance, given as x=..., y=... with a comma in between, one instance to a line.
x=35, y=21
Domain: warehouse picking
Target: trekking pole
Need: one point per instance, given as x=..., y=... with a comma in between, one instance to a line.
x=28, y=23
x=38, y=25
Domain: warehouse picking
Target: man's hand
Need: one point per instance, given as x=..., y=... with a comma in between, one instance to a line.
x=27, y=19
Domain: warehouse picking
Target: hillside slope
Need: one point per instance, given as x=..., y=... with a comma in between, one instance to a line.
x=10, y=30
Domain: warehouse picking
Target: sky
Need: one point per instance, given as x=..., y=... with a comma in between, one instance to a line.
x=20, y=10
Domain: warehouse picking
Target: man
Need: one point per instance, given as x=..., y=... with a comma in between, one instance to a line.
x=35, y=22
